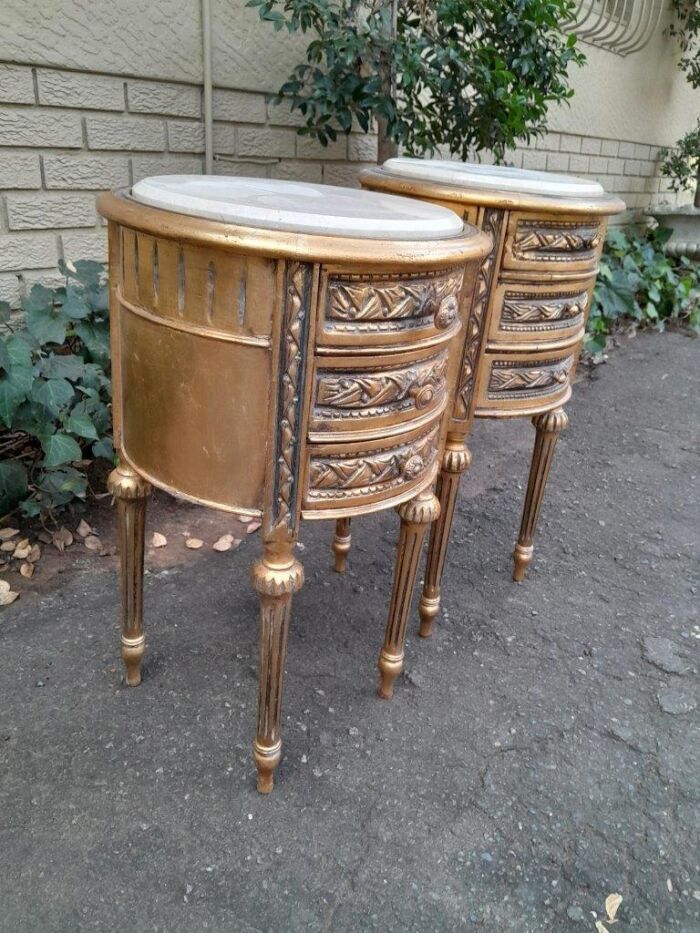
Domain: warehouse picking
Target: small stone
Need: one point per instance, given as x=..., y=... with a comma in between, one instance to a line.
x=575, y=913
x=353, y=730
x=675, y=702
x=663, y=653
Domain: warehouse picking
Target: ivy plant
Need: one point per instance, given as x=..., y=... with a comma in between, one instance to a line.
x=468, y=75
x=54, y=392
x=639, y=284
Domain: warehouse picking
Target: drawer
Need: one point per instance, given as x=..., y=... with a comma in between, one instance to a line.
x=362, y=312
x=344, y=476
x=524, y=382
x=348, y=398
x=526, y=313
x=566, y=243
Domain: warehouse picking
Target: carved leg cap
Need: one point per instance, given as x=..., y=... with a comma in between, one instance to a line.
x=428, y=609
x=266, y=760
x=522, y=557
x=390, y=666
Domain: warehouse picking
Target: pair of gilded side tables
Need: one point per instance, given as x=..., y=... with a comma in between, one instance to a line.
x=292, y=351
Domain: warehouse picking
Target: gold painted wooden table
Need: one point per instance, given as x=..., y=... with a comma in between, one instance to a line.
x=530, y=306
x=283, y=375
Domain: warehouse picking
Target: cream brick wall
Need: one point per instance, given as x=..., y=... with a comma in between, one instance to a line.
x=66, y=135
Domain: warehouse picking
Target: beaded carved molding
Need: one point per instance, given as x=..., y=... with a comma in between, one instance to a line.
x=523, y=311
x=555, y=242
x=527, y=380
x=352, y=395
x=493, y=220
x=364, y=473
x=386, y=303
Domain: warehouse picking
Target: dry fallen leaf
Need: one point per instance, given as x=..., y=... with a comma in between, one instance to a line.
x=44, y=537
x=7, y=595
x=93, y=543
x=223, y=544
x=245, y=519
x=27, y=570
x=194, y=543
x=253, y=526
x=62, y=539
x=612, y=905
x=600, y=927
x=669, y=885
x=34, y=554
x=6, y=533
x=7, y=546
x=22, y=549
x=83, y=529
x=158, y=540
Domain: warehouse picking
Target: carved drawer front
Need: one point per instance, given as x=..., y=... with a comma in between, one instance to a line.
x=361, y=311
x=525, y=313
x=524, y=382
x=376, y=401
x=378, y=472
x=554, y=243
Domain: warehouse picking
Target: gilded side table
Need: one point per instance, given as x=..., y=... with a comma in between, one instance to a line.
x=530, y=305
x=285, y=351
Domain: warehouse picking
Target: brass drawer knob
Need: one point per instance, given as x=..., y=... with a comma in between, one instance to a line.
x=422, y=395
x=446, y=314
x=413, y=466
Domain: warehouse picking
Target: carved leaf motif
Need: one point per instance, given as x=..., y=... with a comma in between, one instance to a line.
x=522, y=379
x=374, y=299
x=372, y=389
x=383, y=466
x=552, y=239
x=539, y=311
x=477, y=316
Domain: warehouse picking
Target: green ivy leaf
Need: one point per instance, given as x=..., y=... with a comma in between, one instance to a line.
x=60, y=448
x=103, y=448
x=15, y=386
x=5, y=311
x=40, y=298
x=47, y=325
x=5, y=360
x=13, y=484
x=75, y=305
x=80, y=423
x=63, y=366
x=19, y=352
x=95, y=336
x=54, y=394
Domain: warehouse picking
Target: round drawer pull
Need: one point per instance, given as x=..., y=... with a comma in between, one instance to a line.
x=422, y=395
x=413, y=467
x=446, y=314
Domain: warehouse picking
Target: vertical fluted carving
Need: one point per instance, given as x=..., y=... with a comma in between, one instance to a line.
x=416, y=515
x=456, y=460
x=276, y=576
x=548, y=427
x=130, y=492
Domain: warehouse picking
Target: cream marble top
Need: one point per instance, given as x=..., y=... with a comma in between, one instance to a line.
x=494, y=177
x=298, y=207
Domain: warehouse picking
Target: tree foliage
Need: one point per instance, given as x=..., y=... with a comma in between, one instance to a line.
x=465, y=74
x=682, y=164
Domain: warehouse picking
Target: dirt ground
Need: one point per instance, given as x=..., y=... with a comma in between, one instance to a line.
x=540, y=754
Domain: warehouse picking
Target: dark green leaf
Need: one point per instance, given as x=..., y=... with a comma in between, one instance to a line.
x=54, y=394
x=13, y=485
x=60, y=448
x=47, y=325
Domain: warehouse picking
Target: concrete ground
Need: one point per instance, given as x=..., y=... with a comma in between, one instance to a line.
x=541, y=752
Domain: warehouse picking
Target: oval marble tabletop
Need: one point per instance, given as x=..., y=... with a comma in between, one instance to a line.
x=494, y=177
x=298, y=206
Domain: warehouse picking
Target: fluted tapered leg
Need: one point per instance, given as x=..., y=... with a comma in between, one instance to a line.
x=130, y=492
x=276, y=576
x=341, y=544
x=456, y=460
x=416, y=515
x=548, y=427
